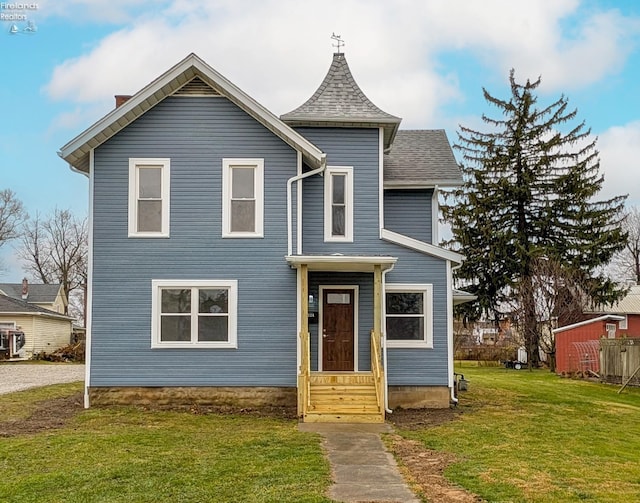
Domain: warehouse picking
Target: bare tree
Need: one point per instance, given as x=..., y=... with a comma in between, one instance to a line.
x=12, y=215
x=54, y=250
x=560, y=298
x=626, y=263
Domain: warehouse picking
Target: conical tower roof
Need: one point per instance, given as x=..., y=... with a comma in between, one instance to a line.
x=339, y=102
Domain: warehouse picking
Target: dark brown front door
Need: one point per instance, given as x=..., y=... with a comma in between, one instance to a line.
x=337, y=329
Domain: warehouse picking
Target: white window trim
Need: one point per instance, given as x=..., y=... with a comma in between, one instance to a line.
x=156, y=299
x=624, y=324
x=258, y=165
x=348, y=217
x=427, y=291
x=134, y=162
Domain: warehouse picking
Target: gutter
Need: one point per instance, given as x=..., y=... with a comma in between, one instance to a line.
x=323, y=166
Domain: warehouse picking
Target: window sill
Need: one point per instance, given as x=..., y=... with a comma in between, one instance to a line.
x=409, y=345
x=243, y=236
x=148, y=235
x=193, y=345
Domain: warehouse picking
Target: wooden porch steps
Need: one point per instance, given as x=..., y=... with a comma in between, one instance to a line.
x=346, y=397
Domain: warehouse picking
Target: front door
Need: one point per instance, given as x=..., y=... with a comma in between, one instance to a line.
x=338, y=329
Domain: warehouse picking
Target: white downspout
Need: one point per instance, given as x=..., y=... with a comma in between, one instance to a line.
x=323, y=166
x=385, y=386
x=450, y=327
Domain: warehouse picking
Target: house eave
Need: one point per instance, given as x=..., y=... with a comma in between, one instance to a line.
x=77, y=150
x=34, y=313
x=344, y=263
x=421, y=184
x=606, y=317
x=390, y=125
x=421, y=246
x=460, y=297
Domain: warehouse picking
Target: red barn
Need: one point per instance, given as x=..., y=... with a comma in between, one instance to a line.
x=578, y=345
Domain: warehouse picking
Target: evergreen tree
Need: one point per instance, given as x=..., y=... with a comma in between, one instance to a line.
x=530, y=185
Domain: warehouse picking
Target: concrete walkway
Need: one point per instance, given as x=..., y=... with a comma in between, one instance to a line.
x=363, y=470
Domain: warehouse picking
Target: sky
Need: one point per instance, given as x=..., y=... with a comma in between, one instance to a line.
x=427, y=61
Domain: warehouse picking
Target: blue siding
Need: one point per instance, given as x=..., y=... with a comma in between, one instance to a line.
x=195, y=133
x=344, y=147
x=409, y=212
x=414, y=367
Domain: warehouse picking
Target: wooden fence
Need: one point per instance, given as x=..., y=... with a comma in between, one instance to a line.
x=619, y=359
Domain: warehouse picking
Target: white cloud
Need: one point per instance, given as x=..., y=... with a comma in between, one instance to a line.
x=619, y=153
x=278, y=50
x=103, y=11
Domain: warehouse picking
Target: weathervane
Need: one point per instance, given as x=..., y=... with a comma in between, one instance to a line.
x=338, y=39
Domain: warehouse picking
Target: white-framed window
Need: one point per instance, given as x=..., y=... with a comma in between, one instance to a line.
x=338, y=204
x=409, y=315
x=624, y=324
x=243, y=198
x=149, y=197
x=194, y=314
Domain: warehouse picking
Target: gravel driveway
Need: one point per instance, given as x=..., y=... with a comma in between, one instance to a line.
x=16, y=377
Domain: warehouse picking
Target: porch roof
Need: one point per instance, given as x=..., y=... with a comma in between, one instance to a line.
x=346, y=263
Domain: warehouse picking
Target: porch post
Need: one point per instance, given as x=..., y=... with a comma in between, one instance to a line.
x=305, y=354
x=377, y=299
x=304, y=301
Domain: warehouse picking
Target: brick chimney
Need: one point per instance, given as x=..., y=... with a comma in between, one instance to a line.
x=121, y=99
x=25, y=289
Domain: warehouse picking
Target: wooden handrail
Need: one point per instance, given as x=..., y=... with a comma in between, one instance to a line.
x=376, y=365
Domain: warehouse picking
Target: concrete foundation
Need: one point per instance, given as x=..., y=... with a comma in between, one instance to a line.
x=419, y=397
x=176, y=396
x=407, y=397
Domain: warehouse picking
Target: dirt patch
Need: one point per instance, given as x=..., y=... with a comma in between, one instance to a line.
x=417, y=419
x=423, y=468
x=49, y=415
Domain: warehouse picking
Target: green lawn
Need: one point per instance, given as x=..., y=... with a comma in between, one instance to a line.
x=129, y=455
x=534, y=437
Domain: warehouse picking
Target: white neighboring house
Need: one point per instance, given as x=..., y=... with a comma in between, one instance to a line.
x=39, y=312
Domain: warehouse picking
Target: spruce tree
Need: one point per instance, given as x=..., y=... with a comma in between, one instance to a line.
x=531, y=181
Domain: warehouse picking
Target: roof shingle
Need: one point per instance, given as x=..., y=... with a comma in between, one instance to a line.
x=38, y=293
x=339, y=101
x=421, y=158
x=15, y=306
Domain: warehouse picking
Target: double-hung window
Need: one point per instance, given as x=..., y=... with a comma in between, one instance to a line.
x=409, y=315
x=243, y=198
x=149, y=197
x=338, y=204
x=194, y=314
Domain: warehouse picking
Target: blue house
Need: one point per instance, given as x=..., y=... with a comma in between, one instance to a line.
x=240, y=258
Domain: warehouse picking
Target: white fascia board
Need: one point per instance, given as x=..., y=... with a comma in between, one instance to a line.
x=432, y=184
x=341, y=262
x=612, y=317
x=421, y=246
x=164, y=86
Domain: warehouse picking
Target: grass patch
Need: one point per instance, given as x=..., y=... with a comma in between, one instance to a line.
x=126, y=454
x=534, y=437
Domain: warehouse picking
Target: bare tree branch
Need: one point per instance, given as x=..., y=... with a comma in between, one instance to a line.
x=55, y=250
x=12, y=215
x=626, y=263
